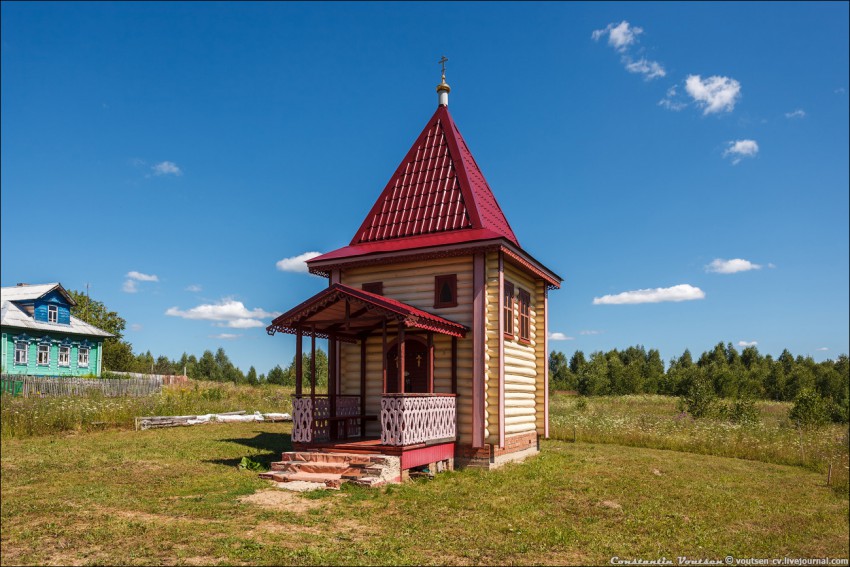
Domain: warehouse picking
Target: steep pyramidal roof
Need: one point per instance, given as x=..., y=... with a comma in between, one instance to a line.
x=438, y=187
x=436, y=196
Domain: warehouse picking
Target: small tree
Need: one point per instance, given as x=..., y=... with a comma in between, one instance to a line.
x=700, y=399
x=810, y=409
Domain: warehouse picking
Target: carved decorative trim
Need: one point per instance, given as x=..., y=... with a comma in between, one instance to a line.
x=408, y=420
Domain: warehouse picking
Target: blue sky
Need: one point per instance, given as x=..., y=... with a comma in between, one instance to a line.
x=170, y=155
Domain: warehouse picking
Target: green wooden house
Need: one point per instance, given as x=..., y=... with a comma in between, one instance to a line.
x=40, y=337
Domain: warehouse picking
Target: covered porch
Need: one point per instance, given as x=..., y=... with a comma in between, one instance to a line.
x=412, y=416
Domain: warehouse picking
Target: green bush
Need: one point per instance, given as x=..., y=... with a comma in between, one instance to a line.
x=743, y=411
x=700, y=399
x=810, y=409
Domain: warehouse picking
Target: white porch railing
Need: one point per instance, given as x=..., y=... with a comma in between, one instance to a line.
x=311, y=425
x=407, y=419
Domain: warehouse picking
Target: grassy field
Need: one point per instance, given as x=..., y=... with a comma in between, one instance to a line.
x=176, y=496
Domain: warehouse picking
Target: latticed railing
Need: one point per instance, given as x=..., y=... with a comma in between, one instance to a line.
x=407, y=419
x=312, y=424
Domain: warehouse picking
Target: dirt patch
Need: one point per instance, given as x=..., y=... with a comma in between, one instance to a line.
x=276, y=499
x=611, y=504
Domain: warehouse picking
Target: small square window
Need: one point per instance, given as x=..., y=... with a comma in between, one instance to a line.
x=508, y=310
x=43, y=358
x=21, y=352
x=64, y=356
x=83, y=357
x=445, y=291
x=374, y=287
x=52, y=314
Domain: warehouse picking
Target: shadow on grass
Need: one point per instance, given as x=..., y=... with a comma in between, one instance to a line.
x=271, y=445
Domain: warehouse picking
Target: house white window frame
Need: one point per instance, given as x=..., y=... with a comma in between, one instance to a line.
x=83, y=361
x=40, y=351
x=25, y=350
x=66, y=351
x=52, y=314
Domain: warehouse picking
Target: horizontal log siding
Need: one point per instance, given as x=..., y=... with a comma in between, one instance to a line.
x=522, y=365
x=413, y=283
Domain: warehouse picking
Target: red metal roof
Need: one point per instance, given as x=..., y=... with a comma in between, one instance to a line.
x=437, y=190
x=325, y=313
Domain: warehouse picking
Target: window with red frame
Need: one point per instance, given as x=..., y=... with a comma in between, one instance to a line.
x=445, y=291
x=374, y=287
x=508, y=310
x=524, y=315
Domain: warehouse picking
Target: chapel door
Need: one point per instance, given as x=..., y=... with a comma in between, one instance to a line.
x=415, y=368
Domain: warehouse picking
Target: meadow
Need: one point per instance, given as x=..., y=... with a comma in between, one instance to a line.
x=74, y=494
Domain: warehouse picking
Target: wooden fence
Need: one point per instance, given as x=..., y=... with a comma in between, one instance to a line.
x=74, y=386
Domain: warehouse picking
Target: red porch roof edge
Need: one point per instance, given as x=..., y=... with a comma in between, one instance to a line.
x=407, y=314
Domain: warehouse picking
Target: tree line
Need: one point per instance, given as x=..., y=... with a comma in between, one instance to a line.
x=728, y=373
x=118, y=354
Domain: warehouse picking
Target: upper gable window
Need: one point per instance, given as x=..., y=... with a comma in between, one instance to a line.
x=524, y=315
x=52, y=314
x=445, y=291
x=374, y=287
x=508, y=310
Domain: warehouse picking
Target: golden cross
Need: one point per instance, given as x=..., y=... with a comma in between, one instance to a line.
x=442, y=62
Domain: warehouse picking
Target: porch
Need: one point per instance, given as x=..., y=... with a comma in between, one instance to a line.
x=413, y=418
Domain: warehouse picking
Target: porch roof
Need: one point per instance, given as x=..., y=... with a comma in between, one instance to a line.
x=345, y=313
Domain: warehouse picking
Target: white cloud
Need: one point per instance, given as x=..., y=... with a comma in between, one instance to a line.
x=194, y=288
x=226, y=313
x=591, y=332
x=620, y=36
x=649, y=69
x=740, y=149
x=823, y=348
x=166, y=168
x=747, y=343
x=559, y=337
x=142, y=277
x=297, y=264
x=799, y=113
x=840, y=90
x=672, y=101
x=135, y=327
x=129, y=286
x=225, y=336
x=682, y=292
x=721, y=266
x=714, y=94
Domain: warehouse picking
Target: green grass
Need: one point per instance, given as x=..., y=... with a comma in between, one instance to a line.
x=74, y=495
x=174, y=496
x=654, y=422
x=26, y=417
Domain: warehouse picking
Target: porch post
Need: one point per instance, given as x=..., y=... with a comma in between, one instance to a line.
x=384, y=357
x=313, y=366
x=363, y=385
x=430, y=362
x=334, y=429
x=454, y=365
x=401, y=356
x=298, y=382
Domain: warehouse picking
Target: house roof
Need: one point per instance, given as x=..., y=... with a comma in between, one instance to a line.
x=436, y=196
x=26, y=292
x=343, y=312
x=13, y=316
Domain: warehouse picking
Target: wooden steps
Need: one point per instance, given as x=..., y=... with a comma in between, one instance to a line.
x=333, y=469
